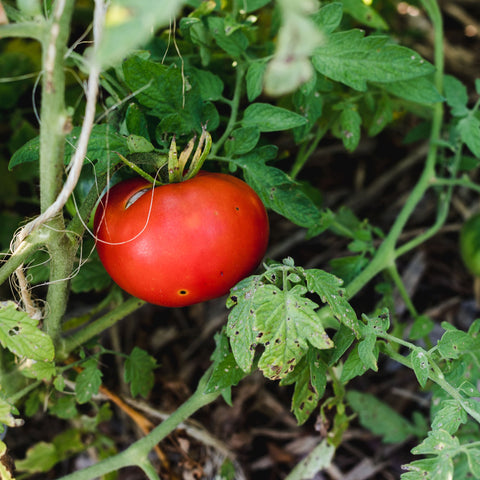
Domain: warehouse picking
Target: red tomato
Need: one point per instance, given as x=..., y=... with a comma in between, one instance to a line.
x=181, y=243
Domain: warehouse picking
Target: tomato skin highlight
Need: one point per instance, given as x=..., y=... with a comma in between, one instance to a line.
x=181, y=243
x=470, y=244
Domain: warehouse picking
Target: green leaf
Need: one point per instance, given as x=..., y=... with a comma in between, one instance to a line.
x=419, y=360
x=354, y=60
x=379, y=418
x=254, y=79
x=88, y=381
x=226, y=373
x=383, y=115
x=242, y=140
x=347, y=127
x=421, y=327
x=469, y=128
x=232, y=41
x=420, y=469
x=473, y=456
x=162, y=90
x=278, y=192
x=365, y=14
x=101, y=145
x=419, y=90
x=449, y=417
x=64, y=407
x=316, y=461
x=7, y=410
x=38, y=370
x=92, y=276
x=328, y=17
x=269, y=118
x=284, y=322
x=241, y=321
x=310, y=379
x=211, y=85
x=21, y=335
x=437, y=468
x=252, y=5
x=139, y=144
x=455, y=343
x=39, y=459
x=456, y=95
x=129, y=24
x=328, y=288
x=139, y=368
x=437, y=442
x=353, y=366
x=368, y=352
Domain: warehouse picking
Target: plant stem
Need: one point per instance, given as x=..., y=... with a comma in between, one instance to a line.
x=137, y=453
x=234, y=104
x=306, y=150
x=98, y=326
x=397, y=279
x=21, y=254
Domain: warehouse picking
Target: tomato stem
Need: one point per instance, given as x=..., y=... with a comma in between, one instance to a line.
x=138, y=170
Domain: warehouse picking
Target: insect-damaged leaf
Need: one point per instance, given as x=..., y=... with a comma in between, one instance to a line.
x=21, y=335
x=282, y=321
x=327, y=287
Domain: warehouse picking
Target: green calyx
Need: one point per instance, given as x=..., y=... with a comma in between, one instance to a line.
x=181, y=166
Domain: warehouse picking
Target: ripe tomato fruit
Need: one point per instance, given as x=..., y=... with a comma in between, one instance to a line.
x=181, y=243
x=470, y=244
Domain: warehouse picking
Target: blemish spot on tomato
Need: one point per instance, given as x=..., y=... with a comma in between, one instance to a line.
x=237, y=209
x=183, y=292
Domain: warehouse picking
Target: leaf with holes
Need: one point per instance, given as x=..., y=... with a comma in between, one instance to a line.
x=21, y=335
x=327, y=287
x=241, y=321
x=310, y=379
x=420, y=365
x=286, y=324
x=455, y=343
x=226, y=373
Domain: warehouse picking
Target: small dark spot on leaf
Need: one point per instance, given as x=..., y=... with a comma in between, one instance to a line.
x=260, y=335
x=237, y=332
x=253, y=346
x=291, y=361
x=302, y=406
x=234, y=298
x=278, y=341
x=267, y=344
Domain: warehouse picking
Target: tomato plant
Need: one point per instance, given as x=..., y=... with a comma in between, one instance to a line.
x=470, y=244
x=181, y=243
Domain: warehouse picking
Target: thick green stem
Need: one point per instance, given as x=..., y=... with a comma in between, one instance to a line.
x=53, y=111
x=137, y=453
x=98, y=326
x=55, y=125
